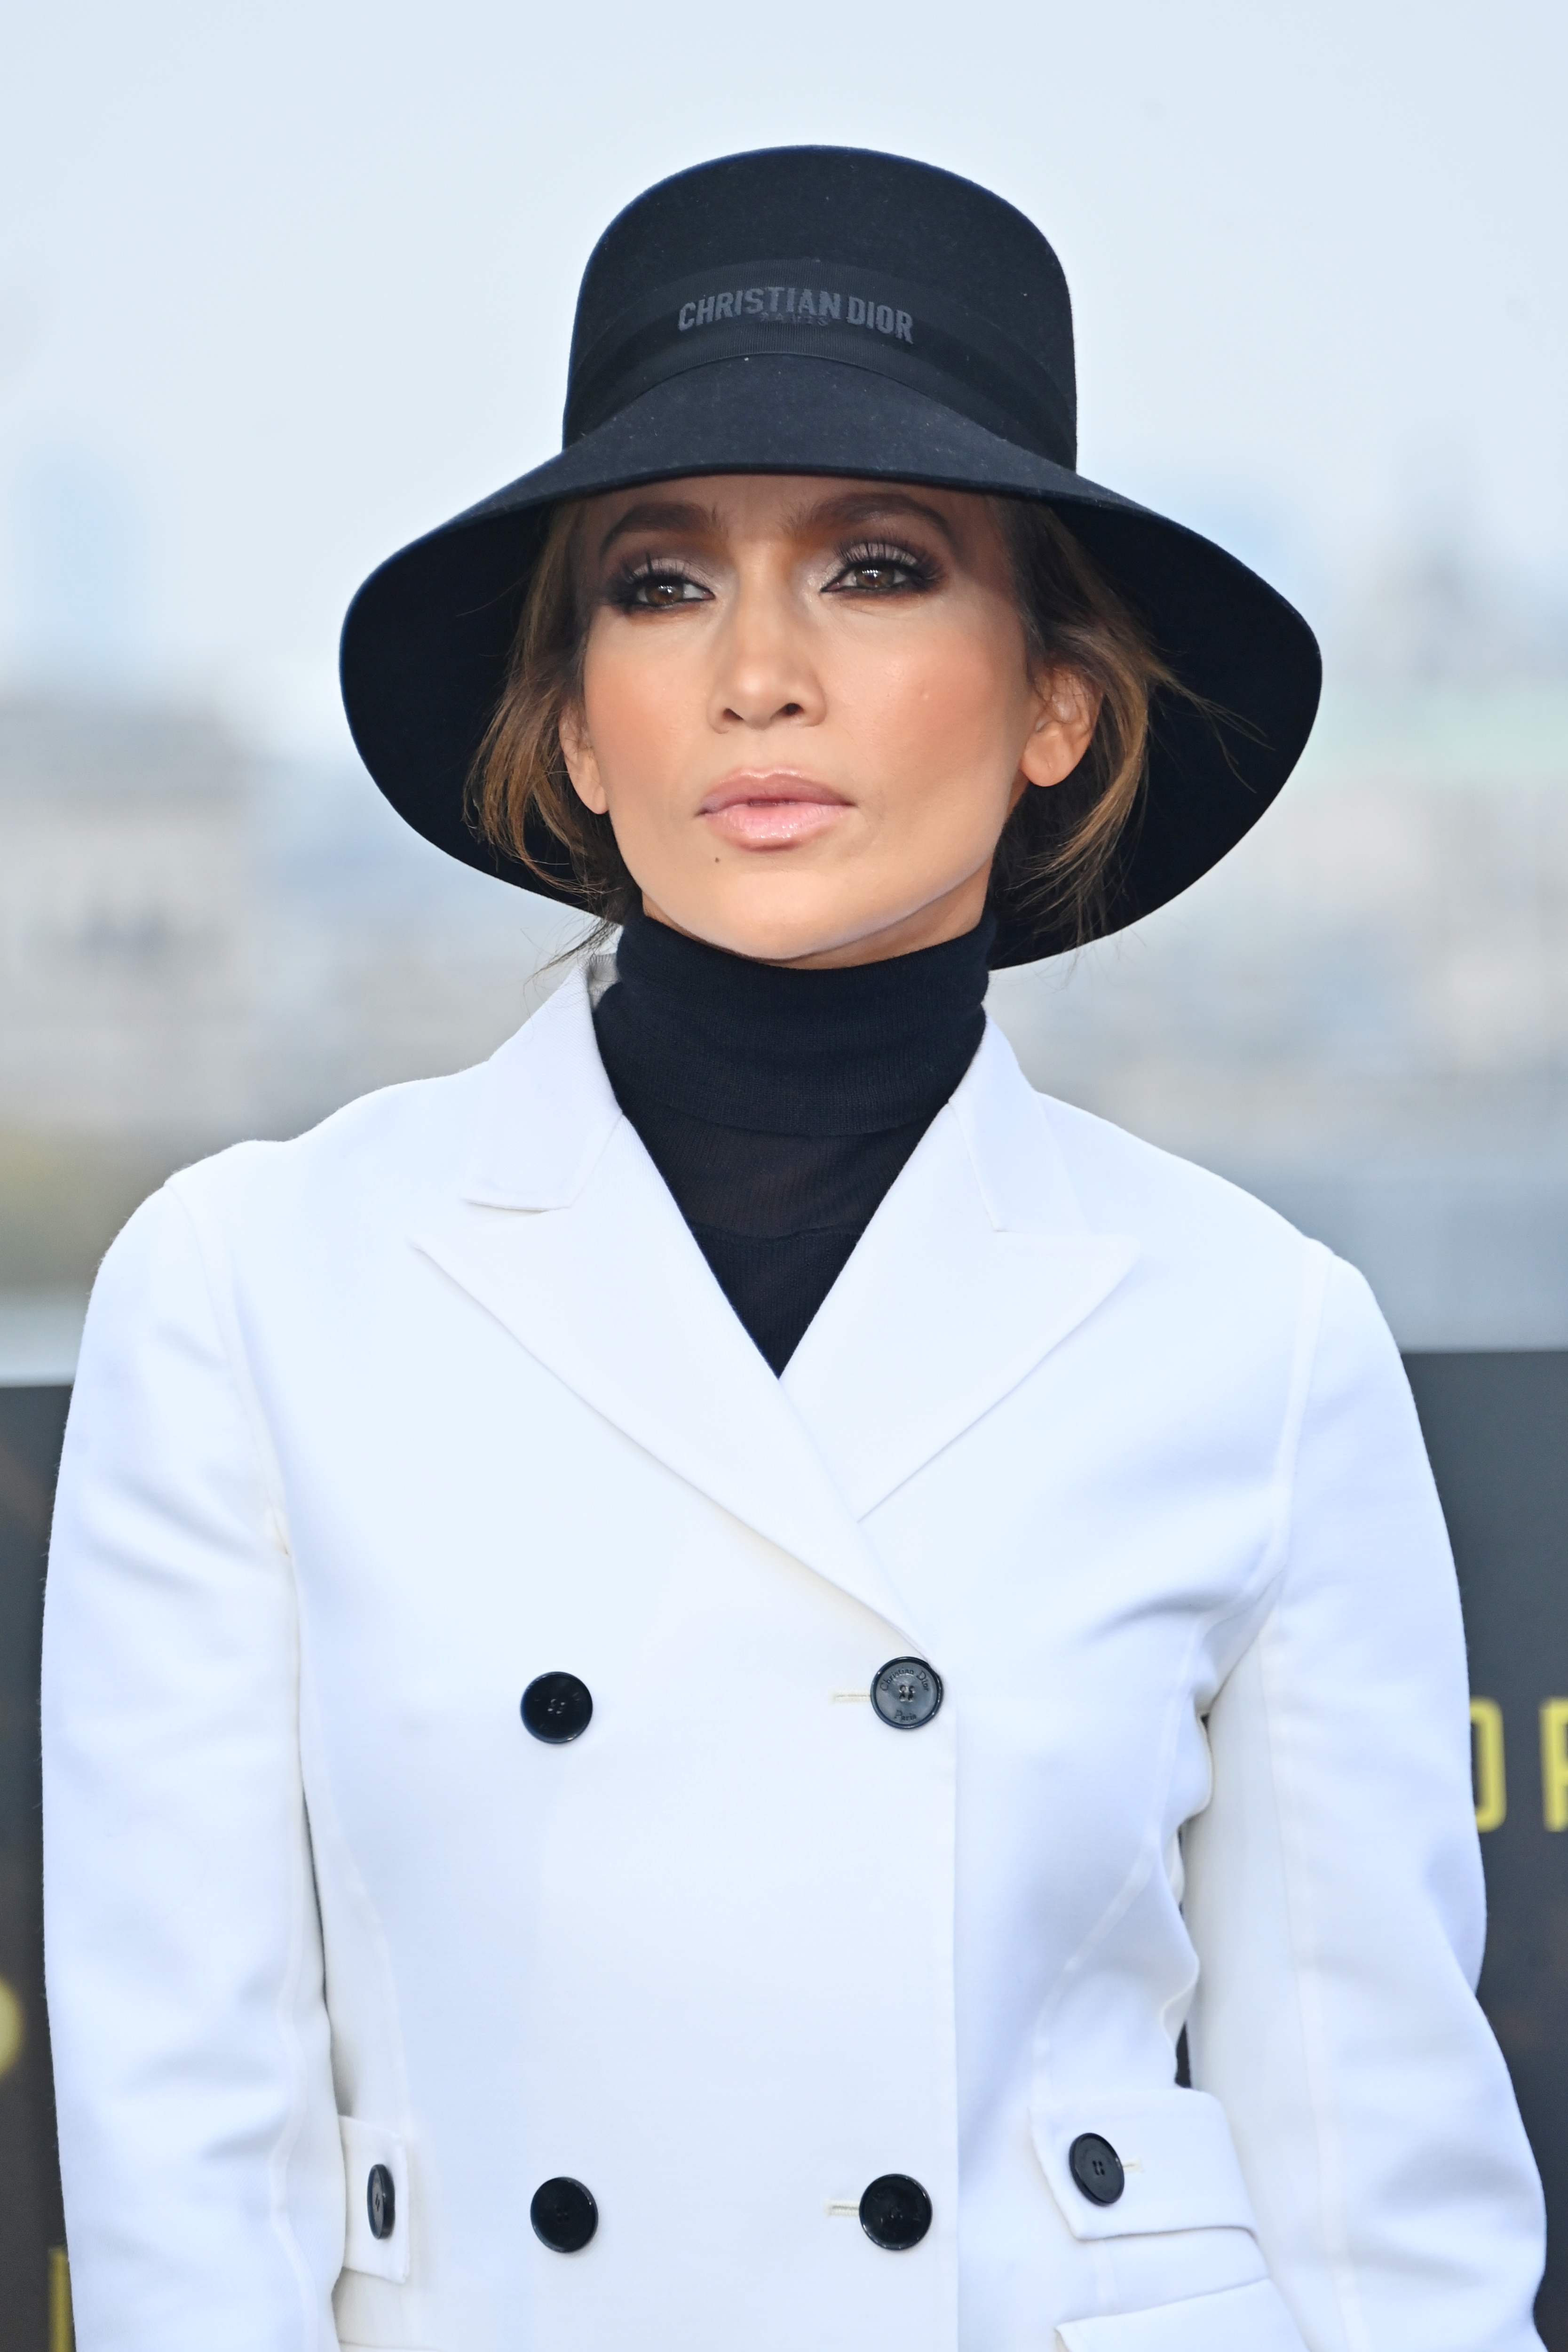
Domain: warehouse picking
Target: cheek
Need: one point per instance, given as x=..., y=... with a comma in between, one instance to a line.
x=637, y=702
x=951, y=706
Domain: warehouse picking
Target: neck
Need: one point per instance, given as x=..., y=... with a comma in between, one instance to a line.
x=959, y=910
x=780, y=1104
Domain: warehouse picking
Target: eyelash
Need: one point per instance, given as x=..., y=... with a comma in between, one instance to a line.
x=648, y=571
x=921, y=571
x=627, y=590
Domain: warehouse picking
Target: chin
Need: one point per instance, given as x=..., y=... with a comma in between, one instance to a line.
x=777, y=917
x=801, y=944
x=774, y=942
x=768, y=925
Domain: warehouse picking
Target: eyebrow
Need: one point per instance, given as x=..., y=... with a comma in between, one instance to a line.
x=856, y=506
x=864, y=506
x=659, y=514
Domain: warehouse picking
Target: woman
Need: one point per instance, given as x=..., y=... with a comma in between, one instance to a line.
x=674, y=1665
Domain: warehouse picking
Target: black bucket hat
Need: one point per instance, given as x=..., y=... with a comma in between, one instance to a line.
x=826, y=310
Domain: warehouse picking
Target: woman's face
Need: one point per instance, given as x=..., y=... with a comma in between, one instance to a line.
x=807, y=710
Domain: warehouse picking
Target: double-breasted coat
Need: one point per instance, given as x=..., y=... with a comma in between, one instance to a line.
x=374, y=1428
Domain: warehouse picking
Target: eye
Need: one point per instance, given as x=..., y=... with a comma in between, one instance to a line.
x=654, y=587
x=882, y=568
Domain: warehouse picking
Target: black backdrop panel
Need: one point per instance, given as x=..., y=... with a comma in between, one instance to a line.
x=1497, y=1426
x=1497, y=1430
x=31, y=1423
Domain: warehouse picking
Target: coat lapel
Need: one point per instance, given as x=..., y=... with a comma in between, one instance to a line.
x=978, y=1262
x=567, y=1235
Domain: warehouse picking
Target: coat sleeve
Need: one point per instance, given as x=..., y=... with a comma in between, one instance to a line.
x=199, y=2144
x=1335, y=1898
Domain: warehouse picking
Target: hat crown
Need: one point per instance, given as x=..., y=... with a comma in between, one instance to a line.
x=850, y=209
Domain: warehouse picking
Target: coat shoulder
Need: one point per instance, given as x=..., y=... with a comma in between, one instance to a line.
x=1246, y=1288
x=1189, y=1223
x=1117, y=1173
x=384, y=1149
x=382, y=1164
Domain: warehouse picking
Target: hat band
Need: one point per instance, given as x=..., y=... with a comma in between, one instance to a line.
x=821, y=310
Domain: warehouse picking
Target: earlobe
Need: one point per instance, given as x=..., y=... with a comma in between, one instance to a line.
x=1061, y=730
x=1048, y=755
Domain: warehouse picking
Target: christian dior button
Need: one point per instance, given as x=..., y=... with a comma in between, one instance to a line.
x=906, y=1693
x=895, y=2212
x=557, y=1707
x=380, y=2201
x=1097, y=2169
x=564, y=2215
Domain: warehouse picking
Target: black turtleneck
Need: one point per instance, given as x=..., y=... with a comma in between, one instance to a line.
x=779, y=1106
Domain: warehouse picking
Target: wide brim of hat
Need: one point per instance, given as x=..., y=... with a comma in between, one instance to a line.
x=428, y=639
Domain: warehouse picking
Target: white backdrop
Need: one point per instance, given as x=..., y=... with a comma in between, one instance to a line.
x=282, y=284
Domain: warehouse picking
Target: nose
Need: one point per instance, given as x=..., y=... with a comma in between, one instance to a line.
x=765, y=675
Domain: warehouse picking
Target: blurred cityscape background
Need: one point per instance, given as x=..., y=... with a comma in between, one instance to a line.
x=280, y=289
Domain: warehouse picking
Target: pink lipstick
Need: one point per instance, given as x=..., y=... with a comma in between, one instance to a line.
x=773, y=809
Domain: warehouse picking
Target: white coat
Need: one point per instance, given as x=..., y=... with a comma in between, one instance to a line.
x=372, y=1428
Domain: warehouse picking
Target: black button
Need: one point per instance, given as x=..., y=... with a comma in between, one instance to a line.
x=906, y=1693
x=563, y=2213
x=558, y=1707
x=1097, y=2169
x=895, y=2212
x=380, y=2201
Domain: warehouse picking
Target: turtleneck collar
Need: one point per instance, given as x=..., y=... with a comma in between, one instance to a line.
x=750, y=1045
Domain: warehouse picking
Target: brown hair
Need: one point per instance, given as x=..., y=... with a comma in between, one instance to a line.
x=1057, y=850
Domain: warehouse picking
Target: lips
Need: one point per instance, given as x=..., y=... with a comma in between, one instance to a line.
x=773, y=811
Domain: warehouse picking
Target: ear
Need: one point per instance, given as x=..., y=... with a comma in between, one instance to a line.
x=582, y=762
x=1066, y=713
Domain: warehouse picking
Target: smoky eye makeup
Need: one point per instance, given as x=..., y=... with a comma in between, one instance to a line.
x=652, y=584
x=865, y=565
x=883, y=566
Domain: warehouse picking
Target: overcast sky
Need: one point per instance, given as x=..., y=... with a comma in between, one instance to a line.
x=282, y=284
